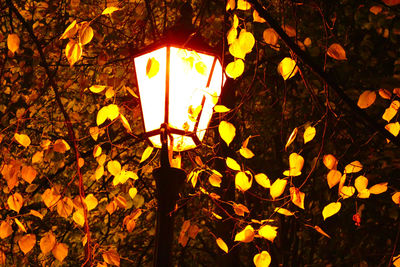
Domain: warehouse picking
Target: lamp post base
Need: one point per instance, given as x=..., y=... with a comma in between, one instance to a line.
x=168, y=184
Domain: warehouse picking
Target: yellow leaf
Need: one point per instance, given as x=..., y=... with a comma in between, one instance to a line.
x=152, y=67
x=361, y=183
x=366, y=99
x=331, y=209
x=37, y=157
x=246, y=41
x=231, y=4
x=284, y=211
x=47, y=242
x=309, y=134
x=73, y=52
x=201, y=68
x=221, y=109
x=319, y=230
x=268, y=232
x=236, y=50
x=97, y=151
x=232, y=34
x=232, y=164
x=287, y=68
x=243, y=5
x=227, y=131
x=5, y=229
x=36, y=214
x=355, y=166
x=347, y=191
x=15, y=202
x=50, y=197
x=28, y=173
x=242, y=181
x=222, y=245
x=245, y=152
x=13, y=42
x=330, y=161
x=364, y=193
x=70, y=31
x=91, y=202
x=99, y=172
x=79, y=217
x=297, y=197
x=97, y=88
x=235, y=69
x=94, y=132
x=27, y=242
x=111, y=257
x=270, y=37
x=277, y=188
x=112, y=111
x=246, y=235
x=215, y=180
x=296, y=163
x=109, y=10
x=22, y=139
x=262, y=259
x=61, y=146
x=20, y=225
x=146, y=154
x=333, y=178
x=396, y=259
x=110, y=93
x=85, y=33
x=125, y=123
x=102, y=115
x=60, y=251
x=337, y=52
x=132, y=192
x=393, y=128
x=396, y=198
x=341, y=182
x=114, y=167
x=263, y=180
x=378, y=188
x=257, y=18
x=65, y=207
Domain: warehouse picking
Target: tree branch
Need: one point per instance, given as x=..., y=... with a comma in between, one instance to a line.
x=309, y=62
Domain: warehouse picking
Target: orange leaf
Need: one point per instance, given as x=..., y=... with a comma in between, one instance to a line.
x=337, y=52
x=297, y=197
x=222, y=245
x=47, y=242
x=22, y=139
x=28, y=173
x=111, y=257
x=270, y=37
x=291, y=138
x=246, y=235
x=27, y=242
x=330, y=161
x=65, y=207
x=15, y=202
x=60, y=251
x=287, y=68
x=262, y=259
x=5, y=229
x=13, y=42
x=333, y=178
x=70, y=31
x=366, y=99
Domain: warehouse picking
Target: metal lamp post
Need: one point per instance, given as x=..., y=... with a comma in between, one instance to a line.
x=179, y=80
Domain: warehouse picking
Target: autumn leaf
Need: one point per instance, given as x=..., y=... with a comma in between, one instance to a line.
x=132, y=192
x=20, y=225
x=257, y=18
x=331, y=209
x=287, y=68
x=243, y=5
x=385, y=94
x=262, y=180
x=221, y=109
x=270, y=37
x=393, y=128
x=79, y=217
x=114, y=167
x=291, y=138
x=333, y=177
x=235, y=68
x=378, y=188
x=110, y=112
x=262, y=259
x=246, y=41
x=13, y=42
x=296, y=163
x=246, y=235
x=309, y=134
x=70, y=31
x=396, y=198
x=15, y=202
x=146, y=154
x=97, y=88
x=391, y=2
x=353, y=167
x=242, y=181
x=297, y=197
x=337, y=52
x=91, y=202
x=85, y=33
x=330, y=161
x=37, y=157
x=284, y=211
x=22, y=139
x=27, y=242
x=227, y=131
x=277, y=188
x=391, y=111
x=36, y=214
x=111, y=257
x=28, y=173
x=65, y=207
x=73, y=52
x=240, y=209
x=222, y=245
x=322, y=232
x=152, y=67
x=50, y=197
x=109, y=10
x=60, y=251
x=347, y=191
x=268, y=232
x=61, y=146
x=366, y=99
x=215, y=180
x=232, y=164
x=47, y=242
x=5, y=229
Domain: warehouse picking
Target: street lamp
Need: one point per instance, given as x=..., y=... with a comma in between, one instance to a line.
x=179, y=80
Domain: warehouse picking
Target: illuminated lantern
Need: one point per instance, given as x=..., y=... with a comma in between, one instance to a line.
x=179, y=83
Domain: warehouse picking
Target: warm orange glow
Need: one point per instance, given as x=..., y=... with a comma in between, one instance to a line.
x=191, y=101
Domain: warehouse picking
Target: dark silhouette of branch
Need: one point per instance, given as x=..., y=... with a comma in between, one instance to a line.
x=306, y=59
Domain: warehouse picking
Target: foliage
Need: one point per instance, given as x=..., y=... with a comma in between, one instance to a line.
x=288, y=174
